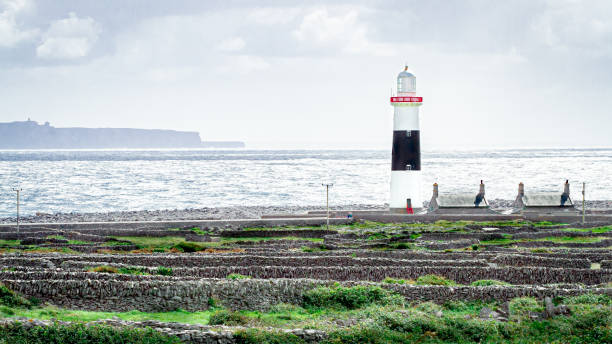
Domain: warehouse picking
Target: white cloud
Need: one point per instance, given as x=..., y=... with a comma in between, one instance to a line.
x=273, y=16
x=231, y=44
x=571, y=25
x=69, y=38
x=10, y=31
x=243, y=64
x=344, y=30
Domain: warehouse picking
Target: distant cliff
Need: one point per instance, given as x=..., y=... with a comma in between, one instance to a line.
x=31, y=135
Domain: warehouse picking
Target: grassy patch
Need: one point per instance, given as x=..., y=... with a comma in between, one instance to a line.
x=103, y=269
x=390, y=280
x=604, y=229
x=48, y=313
x=237, y=276
x=164, y=271
x=80, y=334
x=9, y=298
x=520, y=308
x=434, y=280
x=228, y=318
x=257, y=336
x=374, y=322
x=349, y=297
x=485, y=283
x=319, y=248
x=9, y=243
x=167, y=241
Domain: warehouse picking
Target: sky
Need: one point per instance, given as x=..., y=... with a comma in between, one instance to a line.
x=308, y=74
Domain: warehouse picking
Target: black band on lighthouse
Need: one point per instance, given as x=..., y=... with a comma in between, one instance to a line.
x=406, y=154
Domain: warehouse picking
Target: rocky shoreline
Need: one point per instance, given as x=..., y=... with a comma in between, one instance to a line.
x=228, y=213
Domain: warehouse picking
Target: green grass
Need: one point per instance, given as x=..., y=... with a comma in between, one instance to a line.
x=558, y=240
x=10, y=242
x=79, y=242
x=195, y=230
x=378, y=323
x=485, y=283
x=287, y=228
x=434, y=280
x=237, y=276
x=169, y=242
x=48, y=313
x=81, y=334
x=604, y=229
x=258, y=239
x=349, y=297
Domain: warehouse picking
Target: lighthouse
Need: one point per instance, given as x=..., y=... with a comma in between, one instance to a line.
x=406, y=152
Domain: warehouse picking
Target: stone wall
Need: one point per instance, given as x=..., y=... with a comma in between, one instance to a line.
x=188, y=333
x=252, y=260
x=303, y=233
x=523, y=260
x=147, y=295
x=599, y=244
x=463, y=275
x=28, y=262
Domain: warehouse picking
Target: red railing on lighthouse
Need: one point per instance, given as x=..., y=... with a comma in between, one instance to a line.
x=406, y=99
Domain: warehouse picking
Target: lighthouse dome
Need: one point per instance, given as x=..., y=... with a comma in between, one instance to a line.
x=406, y=82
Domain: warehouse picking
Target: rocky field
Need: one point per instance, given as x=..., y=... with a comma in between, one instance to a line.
x=357, y=282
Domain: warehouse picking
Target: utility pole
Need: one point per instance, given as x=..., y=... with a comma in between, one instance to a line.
x=18, y=190
x=583, y=196
x=327, y=186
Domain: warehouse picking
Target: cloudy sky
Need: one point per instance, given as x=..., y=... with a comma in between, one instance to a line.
x=314, y=74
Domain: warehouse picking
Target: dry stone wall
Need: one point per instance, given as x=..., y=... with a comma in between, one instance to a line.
x=149, y=296
x=602, y=243
x=304, y=233
x=523, y=260
x=251, y=260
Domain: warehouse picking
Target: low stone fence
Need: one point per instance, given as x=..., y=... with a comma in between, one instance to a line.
x=556, y=234
x=28, y=262
x=602, y=243
x=302, y=233
x=463, y=275
x=590, y=256
x=187, y=333
x=24, y=235
x=203, y=260
x=408, y=254
x=149, y=296
x=449, y=245
x=521, y=260
x=457, y=236
x=291, y=262
x=38, y=241
x=33, y=274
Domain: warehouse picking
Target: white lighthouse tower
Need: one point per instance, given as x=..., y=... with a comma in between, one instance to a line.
x=406, y=154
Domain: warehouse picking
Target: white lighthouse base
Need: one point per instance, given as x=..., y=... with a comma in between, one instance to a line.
x=405, y=185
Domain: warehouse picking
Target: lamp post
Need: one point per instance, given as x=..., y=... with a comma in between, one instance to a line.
x=18, y=190
x=327, y=186
x=583, y=196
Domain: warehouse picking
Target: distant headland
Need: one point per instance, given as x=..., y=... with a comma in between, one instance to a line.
x=31, y=135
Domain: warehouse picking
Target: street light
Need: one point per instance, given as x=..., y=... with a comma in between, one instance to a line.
x=18, y=190
x=327, y=186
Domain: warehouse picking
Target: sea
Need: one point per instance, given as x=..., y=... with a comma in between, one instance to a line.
x=113, y=180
